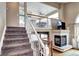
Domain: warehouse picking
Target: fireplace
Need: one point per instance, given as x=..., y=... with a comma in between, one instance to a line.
x=60, y=40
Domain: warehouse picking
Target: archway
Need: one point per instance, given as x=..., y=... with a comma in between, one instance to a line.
x=76, y=33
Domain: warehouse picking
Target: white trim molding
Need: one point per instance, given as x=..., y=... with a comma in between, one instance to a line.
x=2, y=38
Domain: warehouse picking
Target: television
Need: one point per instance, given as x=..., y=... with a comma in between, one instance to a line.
x=61, y=25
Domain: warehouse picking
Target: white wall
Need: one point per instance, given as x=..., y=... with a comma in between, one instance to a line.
x=70, y=13
x=53, y=4
x=12, y=14
x=2, y=17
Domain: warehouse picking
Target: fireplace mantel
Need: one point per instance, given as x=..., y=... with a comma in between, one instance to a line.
x=61, y=32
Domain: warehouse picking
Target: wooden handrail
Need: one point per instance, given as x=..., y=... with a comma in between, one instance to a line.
x=51, y=52
x=50, y=48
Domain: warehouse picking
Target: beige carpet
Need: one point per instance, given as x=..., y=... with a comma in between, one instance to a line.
x=71, y=52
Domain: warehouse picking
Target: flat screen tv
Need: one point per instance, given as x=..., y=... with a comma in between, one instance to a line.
x=61, y=25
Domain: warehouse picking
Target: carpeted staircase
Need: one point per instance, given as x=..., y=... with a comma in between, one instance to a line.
x=16, y=42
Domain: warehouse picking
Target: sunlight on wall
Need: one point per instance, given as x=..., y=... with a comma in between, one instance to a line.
x=77, y=19
x=54, y=16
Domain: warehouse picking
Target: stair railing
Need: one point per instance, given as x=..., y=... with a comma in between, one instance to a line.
x=32, y=34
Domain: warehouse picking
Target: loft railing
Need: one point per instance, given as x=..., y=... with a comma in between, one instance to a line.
x=37, y=44
x=39, y=24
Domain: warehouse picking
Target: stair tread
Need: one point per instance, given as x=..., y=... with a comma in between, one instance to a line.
x=17, y=34
x=15, y=31
x=18, y=52
x=15, y=45
x=15, y=27
x=15, y=39
x=6, y=49
x=16, y=42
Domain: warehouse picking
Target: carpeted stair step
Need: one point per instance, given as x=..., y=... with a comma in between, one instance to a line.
x=19, y=52
x=13, y=34
x=16, y=36
x=16, y=42
x=15, y=28
x=7, y=31
x=12, y=46
x=30, y=53
x=15, y=39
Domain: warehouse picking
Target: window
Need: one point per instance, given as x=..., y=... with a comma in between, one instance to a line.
x=21, y=10
x=76, y=26
x=56, y=16
x=21, y=21
x=77, y=19
x=21, y=14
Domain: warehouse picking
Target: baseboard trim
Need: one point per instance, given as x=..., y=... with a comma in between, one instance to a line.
x=2, y=38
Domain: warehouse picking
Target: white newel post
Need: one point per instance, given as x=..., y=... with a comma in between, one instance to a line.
x=46, y=51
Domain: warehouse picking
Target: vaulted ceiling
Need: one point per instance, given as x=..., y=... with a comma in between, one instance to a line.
x=38, y=8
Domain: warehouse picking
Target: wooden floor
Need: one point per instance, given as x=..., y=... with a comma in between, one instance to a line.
x=57, y=53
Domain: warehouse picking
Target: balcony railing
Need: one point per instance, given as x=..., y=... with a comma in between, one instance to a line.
x=39, y=49
x=42, y=25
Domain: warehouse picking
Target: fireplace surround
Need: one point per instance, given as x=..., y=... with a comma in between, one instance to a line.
x=61, y=40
